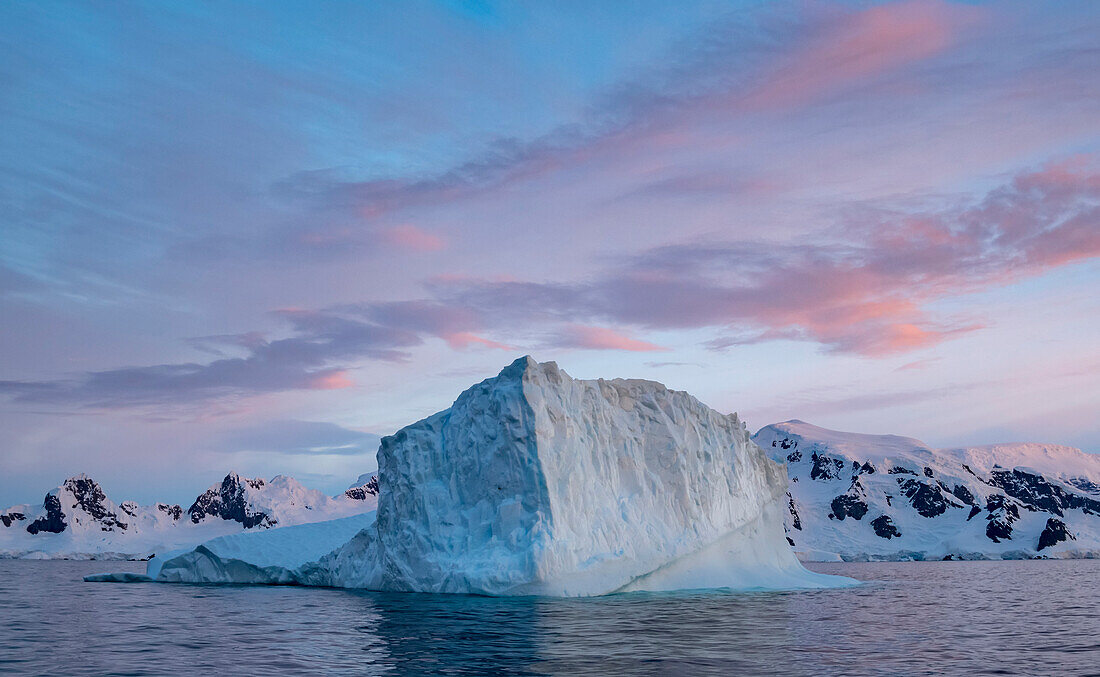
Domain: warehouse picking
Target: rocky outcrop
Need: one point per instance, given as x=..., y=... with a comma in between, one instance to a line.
x=53, y=521
x=11, y=517
x=1054, y=533
x=884, y=527
x=227, y=501
x=363, y=491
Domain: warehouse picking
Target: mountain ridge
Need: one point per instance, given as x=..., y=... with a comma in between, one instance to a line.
x=855, y=496
x=77, y=520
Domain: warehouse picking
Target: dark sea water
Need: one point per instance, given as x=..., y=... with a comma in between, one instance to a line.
x=1029, y=617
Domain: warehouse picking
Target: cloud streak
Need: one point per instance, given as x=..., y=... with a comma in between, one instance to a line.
x=865, y=294
x=309, y=359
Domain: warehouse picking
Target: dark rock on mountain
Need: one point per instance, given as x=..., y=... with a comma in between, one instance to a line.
x=851, y=503
x=9, y=518
x=963, y=494
x=90, y=498
x=825, y=467
x=796, y=523
x=1054, y=533
x=884, y=527
x=360, y=493
x=1002, y=514
x=1016, y=487
x=53, y=521
x=848, y=506
x=1034, y=491
x=927, y=499
x=175, y=511
x=1084, y=484
x=227, y=501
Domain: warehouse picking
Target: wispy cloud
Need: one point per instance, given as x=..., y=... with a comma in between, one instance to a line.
x=307, y=438
x=866, y=292
x=309, y=359
x=599, y=338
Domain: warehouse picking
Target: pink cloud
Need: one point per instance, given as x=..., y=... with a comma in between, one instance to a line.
x=865, y=288
x=858, y=47
x=337, y=379
x=601, y=338
x=408, y=236
x=464, y=339
x=917, y=365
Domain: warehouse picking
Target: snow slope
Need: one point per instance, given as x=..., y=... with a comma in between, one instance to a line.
x=266, y=556
x=859, y=497
x=536, y=483
x=78, y=521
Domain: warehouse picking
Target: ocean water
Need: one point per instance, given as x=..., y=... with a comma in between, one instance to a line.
x=1027, y=617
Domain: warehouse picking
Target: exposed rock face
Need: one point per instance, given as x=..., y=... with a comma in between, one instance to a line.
x=926, y=501
x=963, y=494
x=796, y=523
x=1036, y=492
x=825, y=468
x=1003, y=512
x=173, y=511
x=362, y=492
x=88, y=496
x=11, y=517
x=227, y=501
x=1054, y=533
x=53, y=521
x=850, y=504
x=884, y=527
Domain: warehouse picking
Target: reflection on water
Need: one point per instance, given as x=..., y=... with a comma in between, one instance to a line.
x=911, y=618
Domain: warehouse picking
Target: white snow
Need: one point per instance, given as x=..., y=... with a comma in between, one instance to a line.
x=955, y=531
x=536, y=483
x=1051, y=460
x=130, y=531
x=268, y=556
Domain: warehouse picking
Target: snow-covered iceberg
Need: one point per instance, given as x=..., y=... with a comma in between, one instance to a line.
x=536, y=483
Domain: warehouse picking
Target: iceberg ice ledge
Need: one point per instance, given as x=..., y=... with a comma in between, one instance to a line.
x=534, y=483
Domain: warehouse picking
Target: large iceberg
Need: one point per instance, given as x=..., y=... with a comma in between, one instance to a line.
x=535, y=483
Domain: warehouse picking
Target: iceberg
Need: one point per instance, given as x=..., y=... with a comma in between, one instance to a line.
x=535, y=483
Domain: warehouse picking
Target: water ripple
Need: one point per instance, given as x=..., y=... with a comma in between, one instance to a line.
x=919, y=618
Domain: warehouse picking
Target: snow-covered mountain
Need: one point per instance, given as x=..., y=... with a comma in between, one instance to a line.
x=533, y=482
x=78, y=521
x=857, y=497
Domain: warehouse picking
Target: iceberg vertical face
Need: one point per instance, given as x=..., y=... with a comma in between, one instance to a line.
x=536, y=483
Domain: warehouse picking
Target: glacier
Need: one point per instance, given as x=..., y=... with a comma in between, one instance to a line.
x=535, y=483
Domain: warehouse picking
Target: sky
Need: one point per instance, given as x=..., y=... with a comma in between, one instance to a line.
x=255, y=236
